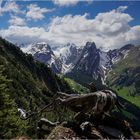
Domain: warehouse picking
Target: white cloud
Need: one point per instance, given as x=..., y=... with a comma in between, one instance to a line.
x=11, y=7
x=108, y=30
x=69, y=2
x=133, y=35
x=0, y=5
x=122, y=8
x=35, y=12
x=15, y=20
x=65, y=2
x=23, y=34
x=112, y=22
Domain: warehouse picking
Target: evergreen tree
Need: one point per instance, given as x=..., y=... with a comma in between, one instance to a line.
x=10, y=123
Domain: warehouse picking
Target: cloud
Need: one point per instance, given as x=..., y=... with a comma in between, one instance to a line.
x=113, y=22
x=122, y=8
x=65, y=2
x=69, y=2
x=103, y=29
x=23, y=34
x=108, y=30
x=1, y=3
x=35, y=12
x=15, y=20
x=11, y=7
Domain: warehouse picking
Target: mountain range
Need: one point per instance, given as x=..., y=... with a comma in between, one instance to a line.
x=87, y=60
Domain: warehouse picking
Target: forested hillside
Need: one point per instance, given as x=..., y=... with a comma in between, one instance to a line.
x=26, y=84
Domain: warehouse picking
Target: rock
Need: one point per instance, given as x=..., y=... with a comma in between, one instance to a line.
x=95, y=134
x=89, y=131
x=112, y=132
x=115, y=122
x=86, y=126
x=60, y=132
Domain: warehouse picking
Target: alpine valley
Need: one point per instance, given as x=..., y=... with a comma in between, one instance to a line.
x=118, y=69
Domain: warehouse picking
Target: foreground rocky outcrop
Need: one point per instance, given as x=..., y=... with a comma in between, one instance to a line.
x=107, y=128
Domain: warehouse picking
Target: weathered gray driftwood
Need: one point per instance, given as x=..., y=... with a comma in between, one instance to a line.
x=97, y=102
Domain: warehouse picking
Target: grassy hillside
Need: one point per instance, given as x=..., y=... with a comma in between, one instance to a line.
x=84, y=79
x=132, y=60
x=75, y=86
x=125, y=76
x=126, y=92
x=24, y=83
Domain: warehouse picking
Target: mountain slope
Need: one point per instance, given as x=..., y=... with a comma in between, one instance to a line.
x=25, y=84
x=125, y=76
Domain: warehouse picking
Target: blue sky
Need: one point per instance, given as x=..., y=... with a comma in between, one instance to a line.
x=82, y=7
x=110, y=24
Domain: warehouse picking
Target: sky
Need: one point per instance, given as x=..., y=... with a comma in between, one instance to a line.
x=110, y=24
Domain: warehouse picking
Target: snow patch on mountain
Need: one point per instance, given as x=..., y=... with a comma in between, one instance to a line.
x=126, y=55
x=66, y=68
x=68, y=55
x=41, y=47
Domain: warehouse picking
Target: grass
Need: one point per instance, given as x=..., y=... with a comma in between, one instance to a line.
x=76, y=86
x=124, y=93
x=129, y=115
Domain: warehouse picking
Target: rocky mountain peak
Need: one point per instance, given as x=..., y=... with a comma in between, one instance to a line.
x=90, y=46
x=88, y=61
x=69, y=56
x=43, y=53
x=118, y=54
x=70, y=44
x=40, y=47
x=127, y=47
